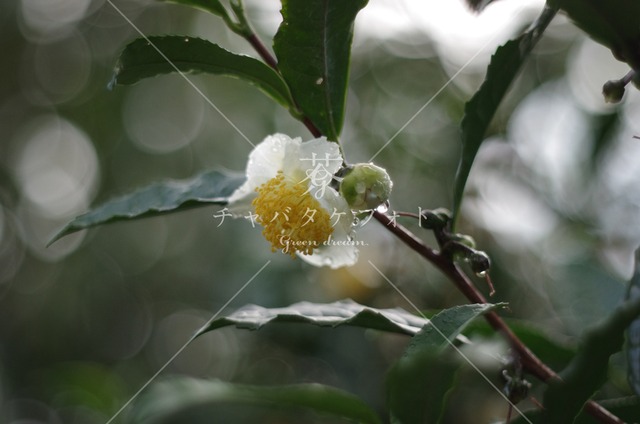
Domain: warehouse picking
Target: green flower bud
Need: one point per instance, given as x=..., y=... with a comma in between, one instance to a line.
x=613, y=91
x=365, y=186
x=435, y=219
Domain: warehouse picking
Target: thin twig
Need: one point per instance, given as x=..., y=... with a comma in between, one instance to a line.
x=262, y=50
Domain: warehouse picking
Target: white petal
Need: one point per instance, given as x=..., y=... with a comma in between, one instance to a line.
x=340, y=250
x=265, y=160
x=335, y=204
x=268, y=157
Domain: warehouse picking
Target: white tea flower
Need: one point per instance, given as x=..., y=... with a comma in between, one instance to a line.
x=289, y=192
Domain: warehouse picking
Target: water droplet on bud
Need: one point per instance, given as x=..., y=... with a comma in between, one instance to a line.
x=384, y=207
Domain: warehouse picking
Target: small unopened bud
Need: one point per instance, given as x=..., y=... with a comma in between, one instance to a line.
x=480, y=263
x=365, y=186
x=613, y=91
x=435, y=219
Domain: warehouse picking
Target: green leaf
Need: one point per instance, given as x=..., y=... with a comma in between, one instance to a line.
x=209, y=188
x=479, y=111
x=170, y=398
x=420, y=381
x=344, y=312
x=614, y=23
x=446, y=326
x=633, y=332
x=564, y=399
x=142, y=59
x=313, y=47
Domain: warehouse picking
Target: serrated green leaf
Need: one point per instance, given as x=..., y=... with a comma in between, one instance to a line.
x=142, y=59
x=344, y=312
x=446, y=326
x=564, y=399
x=479, y=111
x=313, y=47
x=420, y=381
x=614, y=23
x=209, y=188
x=168, y=399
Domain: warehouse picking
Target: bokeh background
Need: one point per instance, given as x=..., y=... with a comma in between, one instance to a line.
x=553, y=198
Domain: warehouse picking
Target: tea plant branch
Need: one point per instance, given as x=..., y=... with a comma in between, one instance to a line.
x=261, y=49
x=464, y=284
x=531, y=363
x=461, y=280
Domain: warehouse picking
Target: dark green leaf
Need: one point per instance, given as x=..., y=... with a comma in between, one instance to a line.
x=420, y=381
x=170, y=398
x=345, y=312
x=209, y=188
x=479, y=111
x=446, y=326
x=563, y=400
x=142, y=59
x=614, y=23
x=313, y=47
x=633, y=333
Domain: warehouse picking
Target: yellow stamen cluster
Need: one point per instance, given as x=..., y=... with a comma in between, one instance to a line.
x=293, y=220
